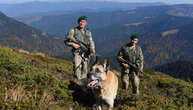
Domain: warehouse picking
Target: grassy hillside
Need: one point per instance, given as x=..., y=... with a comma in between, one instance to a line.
x=32, y=81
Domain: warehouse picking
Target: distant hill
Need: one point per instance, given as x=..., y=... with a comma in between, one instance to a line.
x=32, y=81
x=178, y=69
x=19, y=35
x=47, y=8
x=165, y=37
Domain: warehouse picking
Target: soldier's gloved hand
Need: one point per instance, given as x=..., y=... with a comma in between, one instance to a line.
x=76, y=46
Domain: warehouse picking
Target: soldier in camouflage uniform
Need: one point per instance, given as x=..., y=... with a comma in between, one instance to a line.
x=81, y=34
x=133, y=54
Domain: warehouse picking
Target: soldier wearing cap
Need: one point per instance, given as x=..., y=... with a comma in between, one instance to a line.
x=132, y=53
x=80, y=34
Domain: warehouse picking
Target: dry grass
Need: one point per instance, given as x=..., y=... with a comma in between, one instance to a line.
x=38, y=54
x=16, y=94
x=23, y=51
x=46, y=101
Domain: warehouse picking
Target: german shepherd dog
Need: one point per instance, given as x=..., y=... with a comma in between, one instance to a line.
x=104, y=84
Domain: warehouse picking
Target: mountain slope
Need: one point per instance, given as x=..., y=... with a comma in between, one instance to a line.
x=178, y=69
x=18, y=35
x=30, y=81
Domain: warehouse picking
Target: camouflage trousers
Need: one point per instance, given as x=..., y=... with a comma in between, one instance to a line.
x=130, y=75
x=80, y=66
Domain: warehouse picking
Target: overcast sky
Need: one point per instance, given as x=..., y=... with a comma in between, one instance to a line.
x=166, y=1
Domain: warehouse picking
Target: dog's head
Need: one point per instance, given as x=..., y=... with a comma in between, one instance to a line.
x=98, y=72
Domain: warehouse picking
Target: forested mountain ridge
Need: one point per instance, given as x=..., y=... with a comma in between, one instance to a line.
x=19, y=35
x=178, y=69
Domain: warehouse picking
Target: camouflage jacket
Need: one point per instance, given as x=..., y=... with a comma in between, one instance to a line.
x=133, y=55
x=84, y=36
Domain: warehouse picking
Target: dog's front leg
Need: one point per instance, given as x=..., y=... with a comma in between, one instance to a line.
x=110, y=108
x=98, y=103
x=96, y=95
x=110, y=103
x=99, y=107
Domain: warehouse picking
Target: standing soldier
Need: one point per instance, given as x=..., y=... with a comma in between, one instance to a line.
x=76, y=38
x=132, y=54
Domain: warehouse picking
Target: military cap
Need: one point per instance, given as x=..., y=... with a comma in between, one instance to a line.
x=135, y=36
x=82, y=18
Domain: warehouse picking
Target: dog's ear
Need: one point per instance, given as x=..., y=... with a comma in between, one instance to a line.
x=96, y=60
x=106, y=64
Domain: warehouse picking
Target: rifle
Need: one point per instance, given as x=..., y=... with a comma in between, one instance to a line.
x=83, y=47
x=141, y=73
